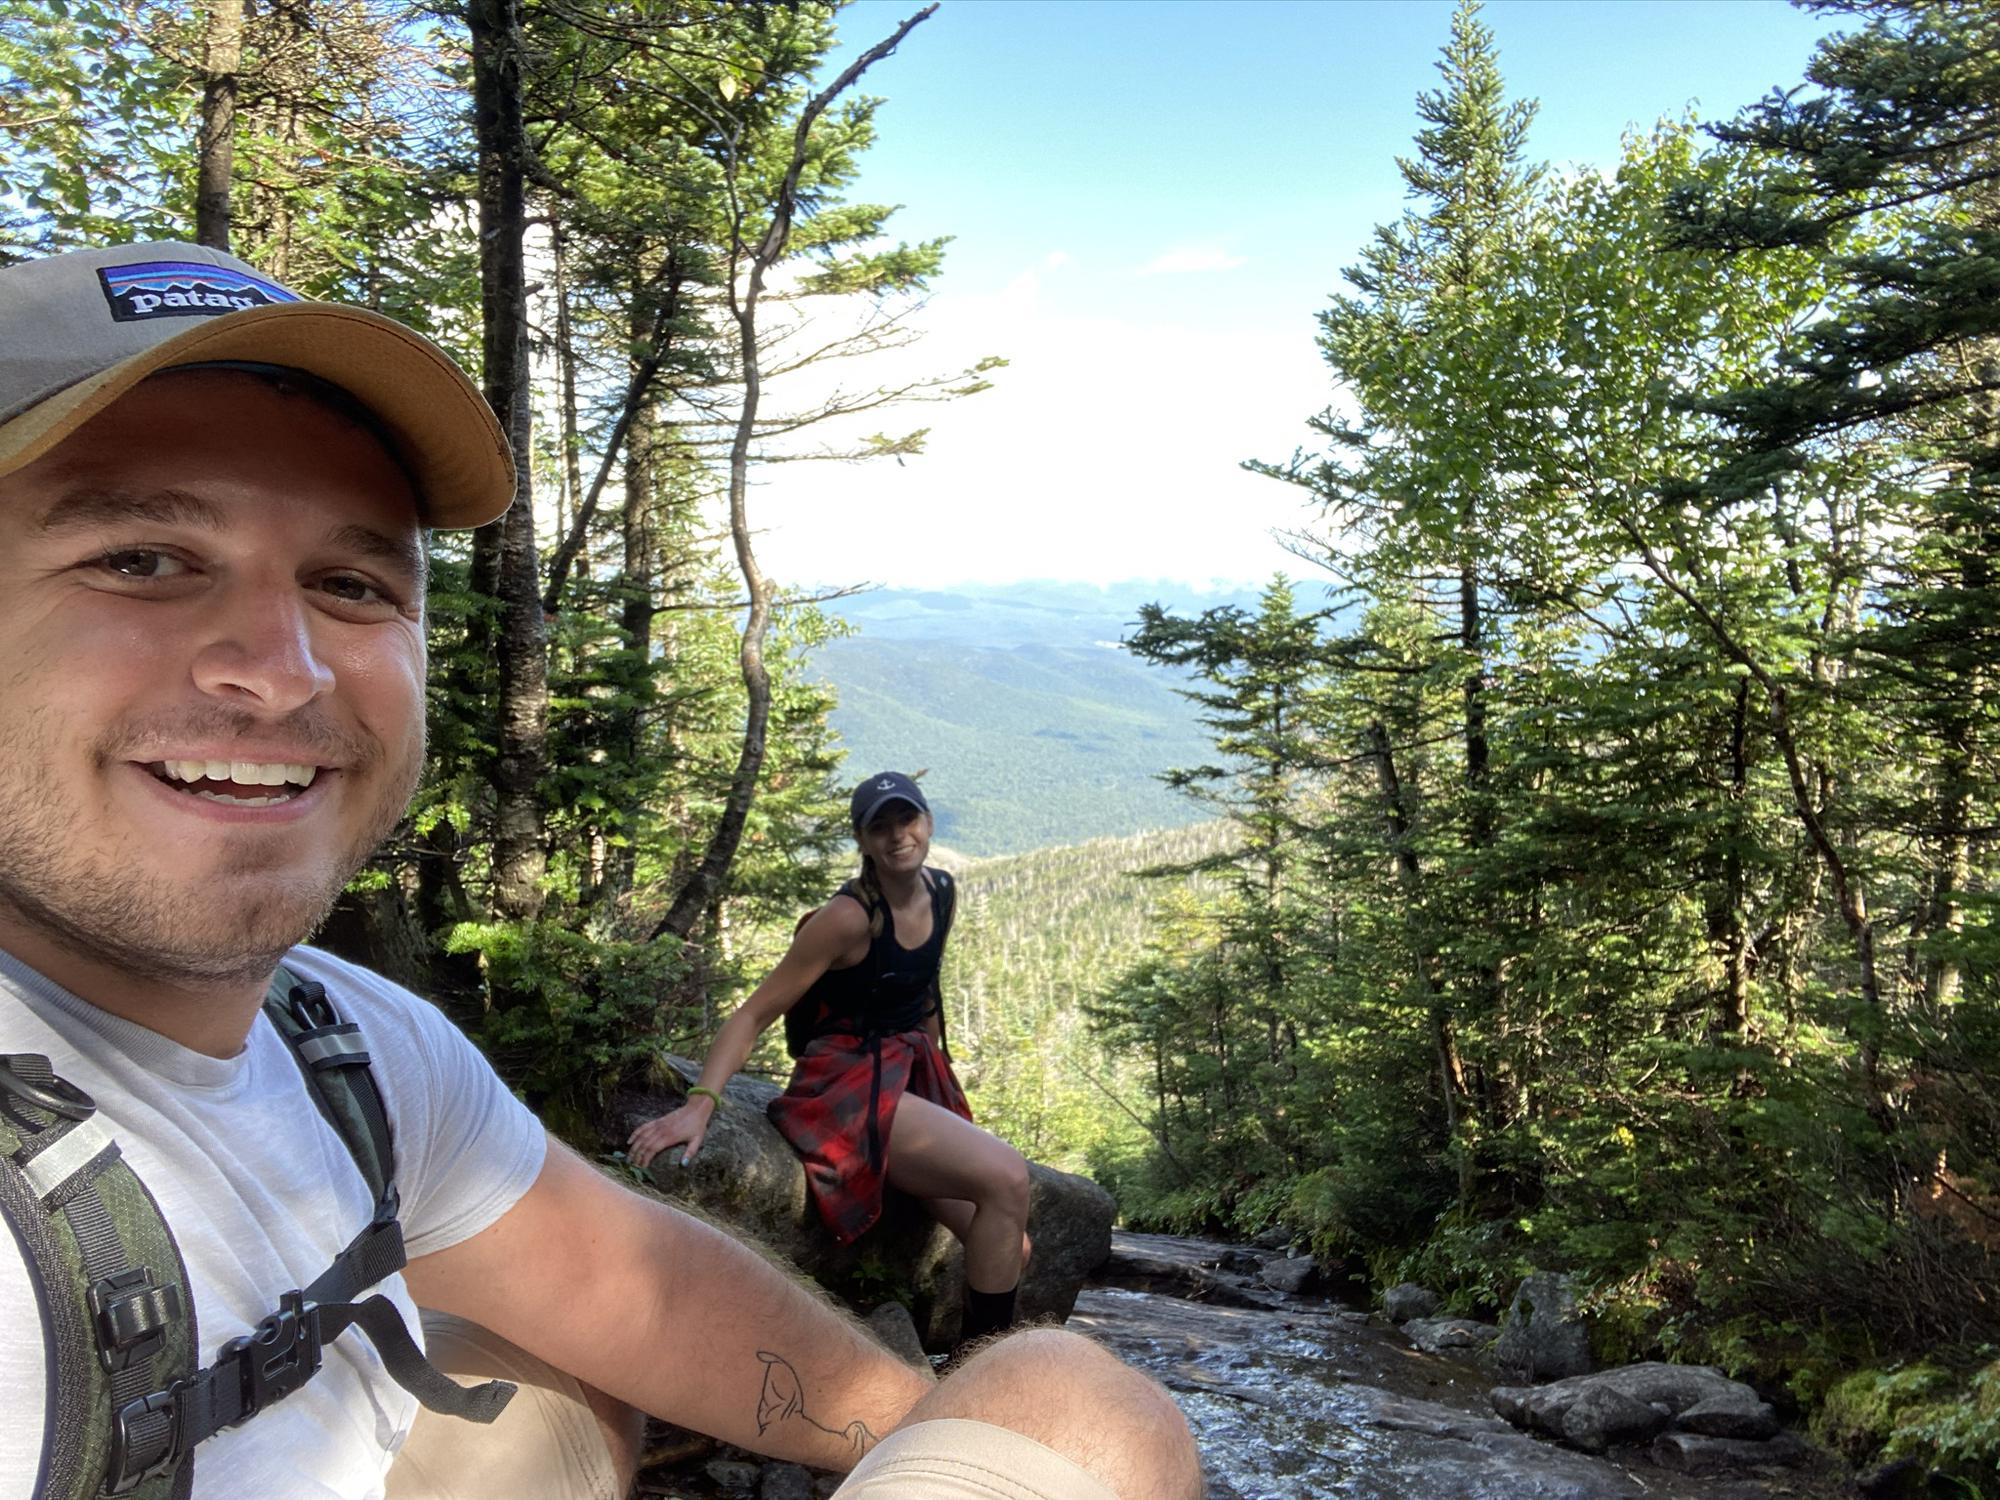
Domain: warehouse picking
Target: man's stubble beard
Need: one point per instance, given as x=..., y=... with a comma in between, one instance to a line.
x=111, y=908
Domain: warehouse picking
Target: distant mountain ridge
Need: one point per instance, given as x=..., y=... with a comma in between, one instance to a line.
x=1035, y=727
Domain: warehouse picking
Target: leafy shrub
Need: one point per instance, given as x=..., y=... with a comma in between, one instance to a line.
x=569, y=1015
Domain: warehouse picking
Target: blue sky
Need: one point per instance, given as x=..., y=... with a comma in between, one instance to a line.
x=1150, y=200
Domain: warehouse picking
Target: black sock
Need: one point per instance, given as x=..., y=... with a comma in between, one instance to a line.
x=986, y=1312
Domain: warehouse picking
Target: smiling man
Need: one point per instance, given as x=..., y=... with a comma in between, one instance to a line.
x=212, y=503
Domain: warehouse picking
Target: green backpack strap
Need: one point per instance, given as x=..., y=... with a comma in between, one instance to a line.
x=130, y=1404
x=330, y=1053
x=117, y=1317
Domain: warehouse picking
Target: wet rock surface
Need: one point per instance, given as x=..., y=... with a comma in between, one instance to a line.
x=1300, y=1398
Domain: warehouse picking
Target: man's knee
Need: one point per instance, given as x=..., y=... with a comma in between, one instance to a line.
x=1070, y=1394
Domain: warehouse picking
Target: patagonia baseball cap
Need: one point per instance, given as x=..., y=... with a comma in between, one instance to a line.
x=877, y=792
x=77, y=331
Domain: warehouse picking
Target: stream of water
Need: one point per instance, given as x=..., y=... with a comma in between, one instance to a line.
x=1306, y=1399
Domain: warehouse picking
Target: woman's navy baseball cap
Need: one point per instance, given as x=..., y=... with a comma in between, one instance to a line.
x=877, y=792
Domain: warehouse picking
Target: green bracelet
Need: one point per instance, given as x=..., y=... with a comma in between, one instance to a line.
x=709, y=1092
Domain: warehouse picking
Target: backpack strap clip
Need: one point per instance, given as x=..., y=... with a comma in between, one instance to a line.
x=147, y=1440
x=274, y=1359
x=132, y=1314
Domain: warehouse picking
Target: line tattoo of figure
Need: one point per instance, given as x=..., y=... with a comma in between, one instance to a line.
x=784, y=1397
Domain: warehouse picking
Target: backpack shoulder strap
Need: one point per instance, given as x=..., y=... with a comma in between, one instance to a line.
x=117, y=1316
x=944, y=906
x=945, y=891
x=329, y=1051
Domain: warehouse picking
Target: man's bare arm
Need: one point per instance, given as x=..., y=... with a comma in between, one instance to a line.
x=664, y=1312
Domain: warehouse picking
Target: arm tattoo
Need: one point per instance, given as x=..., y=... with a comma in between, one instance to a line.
x=783, y=1397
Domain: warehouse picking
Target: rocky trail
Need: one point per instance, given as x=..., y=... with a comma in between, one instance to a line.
x=1293, y=1396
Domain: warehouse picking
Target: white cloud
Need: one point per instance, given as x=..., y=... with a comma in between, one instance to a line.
x=1192, y=260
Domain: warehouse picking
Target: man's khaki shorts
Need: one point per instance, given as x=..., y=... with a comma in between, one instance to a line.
x=547, y=1444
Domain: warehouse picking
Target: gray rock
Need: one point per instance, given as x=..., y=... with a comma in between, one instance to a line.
x=1511, y=1402
x=749, y=1179
x=1730, y=1417
x=1691, y=1453
x=1899, y=1479
x=1673, y=1388
x=1288, y=1275
x=785, y=1482
x=1439, y=1335
x=1274, y=1238
x=731, y=1476
x=891, y=1324
x=1402, y=1303
x=1603, y=1417
x=1544, y=1337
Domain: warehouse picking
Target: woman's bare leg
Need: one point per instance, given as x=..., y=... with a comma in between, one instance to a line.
x=956, y=1215
x=934, y=1154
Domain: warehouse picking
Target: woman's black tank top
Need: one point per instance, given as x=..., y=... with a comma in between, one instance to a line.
x=892, y=989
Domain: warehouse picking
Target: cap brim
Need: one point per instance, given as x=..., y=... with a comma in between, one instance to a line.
x=868, y=814
x=445, y=433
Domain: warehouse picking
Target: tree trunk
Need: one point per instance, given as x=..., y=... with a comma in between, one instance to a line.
x=215, y=150
x=1728, y=930
x=1409, y=874
x=702, y=886
x=518, y=851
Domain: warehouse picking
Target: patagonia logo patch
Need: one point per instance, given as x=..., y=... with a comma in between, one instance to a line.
x=184, y=289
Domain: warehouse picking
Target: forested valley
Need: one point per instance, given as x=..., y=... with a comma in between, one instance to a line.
x=1601, y=867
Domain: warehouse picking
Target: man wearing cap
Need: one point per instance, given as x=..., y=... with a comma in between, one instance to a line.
x=212, y=502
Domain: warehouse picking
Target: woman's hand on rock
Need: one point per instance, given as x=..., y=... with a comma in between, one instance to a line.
x=687, y=1124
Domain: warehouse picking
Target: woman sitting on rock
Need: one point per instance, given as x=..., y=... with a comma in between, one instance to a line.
x=873, y=1098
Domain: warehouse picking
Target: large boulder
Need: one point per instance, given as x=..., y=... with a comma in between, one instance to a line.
x=1544, y=1337
x=1670, y=1389
x=1604, y=1417
x=1407, y=1301
x=748, y=1179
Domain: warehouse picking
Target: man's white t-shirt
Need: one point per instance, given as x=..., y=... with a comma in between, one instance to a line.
x=261, y=1194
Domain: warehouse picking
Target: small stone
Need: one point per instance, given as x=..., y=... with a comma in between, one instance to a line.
x=1511, y=1402
x=731, y=1477
x=1449, y=1335
x=1288, y=1275
x=1899, y=1479
x=1604, y=1418
x=1730, y=1417
x=1692, y=1453
x=1407, y=1301
x=785, y=1482
x=892, y=1324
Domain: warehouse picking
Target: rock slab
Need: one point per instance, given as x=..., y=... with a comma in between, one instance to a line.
x=748, y=1178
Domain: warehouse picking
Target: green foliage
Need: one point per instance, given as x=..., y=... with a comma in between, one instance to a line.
x=1608, y=864
x=571, y=1015
x=1948, y=1417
